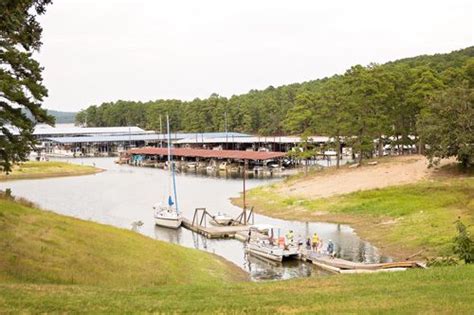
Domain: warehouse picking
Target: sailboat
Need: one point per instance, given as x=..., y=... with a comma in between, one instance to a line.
x=169, y=216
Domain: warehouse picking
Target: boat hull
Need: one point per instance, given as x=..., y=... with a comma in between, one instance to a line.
x=172, y=223
x=271, y=252
x=275, y=254
x=265, y=255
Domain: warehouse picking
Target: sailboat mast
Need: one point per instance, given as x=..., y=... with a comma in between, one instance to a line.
x=169, y=154
x=169, y=140
x=171, y=166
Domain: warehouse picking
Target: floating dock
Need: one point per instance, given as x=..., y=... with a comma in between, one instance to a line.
x=240, y=232
x=216, y=231
x=337, y=265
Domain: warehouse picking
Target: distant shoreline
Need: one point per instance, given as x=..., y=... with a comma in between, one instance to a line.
x=39, y=170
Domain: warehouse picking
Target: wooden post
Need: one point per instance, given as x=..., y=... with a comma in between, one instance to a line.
x=245, y=207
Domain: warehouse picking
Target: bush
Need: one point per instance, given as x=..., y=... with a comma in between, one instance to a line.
x=441, y=262
x=463, y=244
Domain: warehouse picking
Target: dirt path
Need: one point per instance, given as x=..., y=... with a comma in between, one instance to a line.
x=396, y=171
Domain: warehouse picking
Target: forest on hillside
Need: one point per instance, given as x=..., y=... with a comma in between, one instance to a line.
x=62, y=117
x=365, y=103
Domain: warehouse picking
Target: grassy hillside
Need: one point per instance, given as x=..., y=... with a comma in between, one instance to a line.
x=400, y=220
x=42, y=247
x=52, y=263
x=35, y=169
x=446, y=290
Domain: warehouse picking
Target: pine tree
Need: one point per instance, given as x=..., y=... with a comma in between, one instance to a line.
x=21, y=89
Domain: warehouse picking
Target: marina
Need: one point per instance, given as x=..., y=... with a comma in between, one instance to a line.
x=261, y=245
x=133, y=190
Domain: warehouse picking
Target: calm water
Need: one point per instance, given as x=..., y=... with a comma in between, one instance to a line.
x=124, y=194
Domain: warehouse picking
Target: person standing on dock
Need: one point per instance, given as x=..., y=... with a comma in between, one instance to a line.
x=308, y=244
x=290, y=237
x=330, y=249
x=300, y=242
x=315, y=241
x=249, y=236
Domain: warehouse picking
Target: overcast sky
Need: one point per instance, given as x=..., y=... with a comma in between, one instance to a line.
x=97, y=51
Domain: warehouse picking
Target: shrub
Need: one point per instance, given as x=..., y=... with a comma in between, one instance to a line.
x=441, y=262
x=463, y=244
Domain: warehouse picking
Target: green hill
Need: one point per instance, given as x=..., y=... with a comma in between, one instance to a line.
x=63, y=117
x=52, y=263
x=60, y=117
x=42, y=247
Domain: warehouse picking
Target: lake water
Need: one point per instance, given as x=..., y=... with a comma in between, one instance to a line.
x=124, y=194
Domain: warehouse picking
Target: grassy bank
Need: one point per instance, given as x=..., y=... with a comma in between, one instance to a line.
x=446, y=290
x=401, y=220
x=42, y=247
x=53, y=263
x=30, y=170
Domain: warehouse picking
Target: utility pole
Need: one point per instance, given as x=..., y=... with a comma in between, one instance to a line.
x=225, y=126
x=161, y=133
x=244, y=211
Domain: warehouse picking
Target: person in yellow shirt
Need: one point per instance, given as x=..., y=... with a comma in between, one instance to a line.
x=315, y=241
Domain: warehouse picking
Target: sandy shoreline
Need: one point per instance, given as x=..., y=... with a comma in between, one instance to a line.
x=398, y=171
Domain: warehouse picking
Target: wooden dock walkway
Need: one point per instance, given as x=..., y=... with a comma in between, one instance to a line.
x=335, y=265
x=216, y=231
x=338, y=265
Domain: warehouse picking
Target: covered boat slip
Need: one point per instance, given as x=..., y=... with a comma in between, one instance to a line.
x=260, y=163
x=208, y=154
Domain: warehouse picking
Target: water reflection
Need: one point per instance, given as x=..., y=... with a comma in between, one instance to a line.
x=125, y=194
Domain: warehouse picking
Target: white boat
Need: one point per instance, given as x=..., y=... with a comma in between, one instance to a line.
x=263, y=228
x=223, y=166
x=221, y=219
x=169, y=216
x=263, y=248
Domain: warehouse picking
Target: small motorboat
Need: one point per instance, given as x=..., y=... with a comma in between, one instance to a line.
x=266, y=249
x=221, y=219
x=210, y=168
x=262, y=228
x=223, y=166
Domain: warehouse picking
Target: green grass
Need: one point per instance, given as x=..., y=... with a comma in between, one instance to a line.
x=52, y=263
x=401, y=219
x=42, y=247
x=447, y=290
x=35, y=169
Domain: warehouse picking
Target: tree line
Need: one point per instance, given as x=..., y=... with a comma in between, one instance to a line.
x=421, y=100
x=388, y=102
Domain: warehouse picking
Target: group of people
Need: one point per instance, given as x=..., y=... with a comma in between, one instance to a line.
x=315, y=243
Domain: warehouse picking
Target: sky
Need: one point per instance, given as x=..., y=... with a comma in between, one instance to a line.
x=101, y=51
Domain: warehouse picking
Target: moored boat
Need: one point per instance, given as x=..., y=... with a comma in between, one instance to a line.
x=221, y=219
x=270, y=251
x=169, y=216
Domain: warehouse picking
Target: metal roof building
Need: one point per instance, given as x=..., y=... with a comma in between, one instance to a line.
x=42, y=130
x=147, y=137
x=251, y=139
